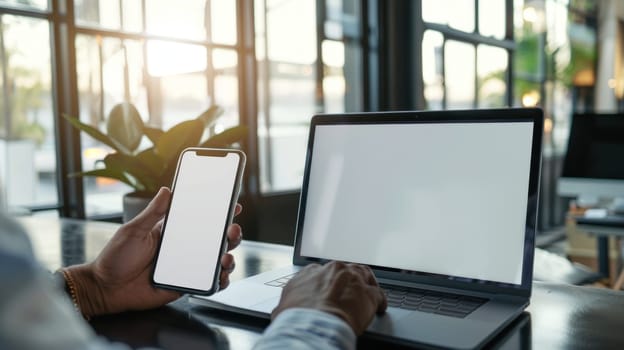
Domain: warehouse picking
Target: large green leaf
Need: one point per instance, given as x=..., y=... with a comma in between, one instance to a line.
x=227, y=137
x=125, y=126
x=210, y=115
x=179, y=137
x=151, y=161
x=224, y=139
x=153, y=134
x=93, y=132
x=131, y=167
x=109, y=173
x=166, y=179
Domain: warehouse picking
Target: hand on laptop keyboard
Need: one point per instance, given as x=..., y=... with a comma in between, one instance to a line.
x=348, y=291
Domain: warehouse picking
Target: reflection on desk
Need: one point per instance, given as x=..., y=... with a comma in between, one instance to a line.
x=559, y=317
x=550, y=267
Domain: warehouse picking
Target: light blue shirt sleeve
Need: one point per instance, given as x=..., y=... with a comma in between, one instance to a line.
x=34, y=314
x=300, y=328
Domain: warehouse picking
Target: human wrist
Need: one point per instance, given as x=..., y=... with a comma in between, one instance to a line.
x=312, y=326
x=322, y=307
x=341, y=314
x=86, y=293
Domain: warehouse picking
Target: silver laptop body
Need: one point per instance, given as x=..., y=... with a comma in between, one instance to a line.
x=440, y=204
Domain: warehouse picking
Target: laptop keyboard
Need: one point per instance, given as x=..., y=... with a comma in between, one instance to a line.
x=447, y=304
x=441, y=303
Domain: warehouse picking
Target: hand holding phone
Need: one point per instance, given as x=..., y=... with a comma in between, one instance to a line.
x=204, y=194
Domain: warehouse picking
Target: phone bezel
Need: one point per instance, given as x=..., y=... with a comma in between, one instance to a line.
x=204, y=152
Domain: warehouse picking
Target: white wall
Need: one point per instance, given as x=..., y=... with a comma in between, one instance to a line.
x=605, y=100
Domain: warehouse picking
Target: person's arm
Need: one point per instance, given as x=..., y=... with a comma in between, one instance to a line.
x=37, y=314
x=119, y=278
x=301, y=328
x=324, y=307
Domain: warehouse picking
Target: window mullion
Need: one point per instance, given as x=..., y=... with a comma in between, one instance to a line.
x=320, y=37
x=71, y=191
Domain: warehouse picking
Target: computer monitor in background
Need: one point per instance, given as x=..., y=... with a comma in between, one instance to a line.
x=594, y=163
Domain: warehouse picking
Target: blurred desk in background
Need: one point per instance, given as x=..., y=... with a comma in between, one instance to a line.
x=603, y=228
x=560, y=316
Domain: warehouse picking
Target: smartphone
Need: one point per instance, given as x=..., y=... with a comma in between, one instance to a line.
x=204, y=194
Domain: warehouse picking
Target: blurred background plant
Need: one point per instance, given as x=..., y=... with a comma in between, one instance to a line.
x=146, y=170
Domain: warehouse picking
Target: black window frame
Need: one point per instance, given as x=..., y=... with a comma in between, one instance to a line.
x=384, y=30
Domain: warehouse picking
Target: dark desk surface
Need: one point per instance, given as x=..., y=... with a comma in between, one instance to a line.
x=607, y=221
x=559, y=317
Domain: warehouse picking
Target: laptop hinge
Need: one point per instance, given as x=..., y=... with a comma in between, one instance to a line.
x=486, y=294
x=511, y=298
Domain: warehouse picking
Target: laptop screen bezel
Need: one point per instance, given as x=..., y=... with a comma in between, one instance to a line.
x=533, y=115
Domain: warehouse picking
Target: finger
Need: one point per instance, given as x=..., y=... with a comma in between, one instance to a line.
x=227, y=266
x=238, y=209
x=335, y=266
x=156, y=234
x=234, y=236
x=154, y=212
x=159, y=224
x=305, y=272
x=379, y=297
x=331, y=270
x=224, y=282
x=309, y=268
x=227, y=263
x=312, y=266
x=157, y=229
x=366, y=273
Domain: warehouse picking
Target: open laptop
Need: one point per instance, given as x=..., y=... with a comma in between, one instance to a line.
x=442, y=205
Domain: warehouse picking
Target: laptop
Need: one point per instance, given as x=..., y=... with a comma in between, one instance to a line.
x=440, y=204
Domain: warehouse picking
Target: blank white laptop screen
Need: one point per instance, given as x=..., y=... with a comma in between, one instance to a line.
x=442, y=198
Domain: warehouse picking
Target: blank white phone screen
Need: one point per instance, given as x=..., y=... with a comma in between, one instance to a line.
x=443, y=198
x=197, y=218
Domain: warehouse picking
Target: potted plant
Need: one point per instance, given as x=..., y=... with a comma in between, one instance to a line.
x=146, y=170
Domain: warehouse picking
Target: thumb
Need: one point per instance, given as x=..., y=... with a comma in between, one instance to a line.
x=154, y=211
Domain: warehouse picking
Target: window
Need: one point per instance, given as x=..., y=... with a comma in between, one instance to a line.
x=171, y=60
x=554, y=65
x=302, y=71
x=465, y=54
x=271, y=68
x=287, y=55
x=491, y=83
x=459, y=77
x=555, y=61
x=27, y=127
x=31, y=4
x=461, y=17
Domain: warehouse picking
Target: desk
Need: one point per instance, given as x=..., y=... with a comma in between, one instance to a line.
x=559, y=317
x=602, y=228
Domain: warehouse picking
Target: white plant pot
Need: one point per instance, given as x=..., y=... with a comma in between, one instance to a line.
x=133, y=204
x=18, y=174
